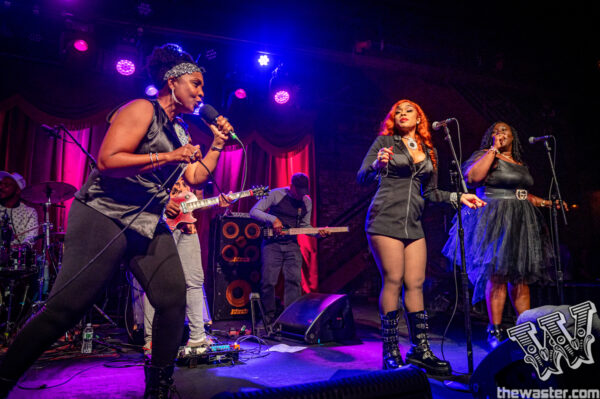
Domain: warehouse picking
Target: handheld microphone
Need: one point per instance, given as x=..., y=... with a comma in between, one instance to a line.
x=209, y=115
x=533, y=140
x=440, y=124
x=53, y=131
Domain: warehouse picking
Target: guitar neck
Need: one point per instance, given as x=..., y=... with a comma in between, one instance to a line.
x=187, y=207
x=308, y=230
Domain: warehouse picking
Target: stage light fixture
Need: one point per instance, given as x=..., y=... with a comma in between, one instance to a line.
x=125, y=67
x=81, y=45
x=240, y=93
x=281, y=97
x=151, y=91
x=281, y=87
x=264, y=60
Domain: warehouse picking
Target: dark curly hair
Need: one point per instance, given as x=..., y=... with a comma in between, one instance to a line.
x=517, y=148
x=164, y=58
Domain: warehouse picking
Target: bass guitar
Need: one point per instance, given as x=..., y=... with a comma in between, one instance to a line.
x=270, y=232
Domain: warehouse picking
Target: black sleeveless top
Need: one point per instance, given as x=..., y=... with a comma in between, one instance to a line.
x=502, y=174
x=120, y=198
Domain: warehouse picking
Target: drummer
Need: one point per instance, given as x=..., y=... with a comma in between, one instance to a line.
x=18, y=222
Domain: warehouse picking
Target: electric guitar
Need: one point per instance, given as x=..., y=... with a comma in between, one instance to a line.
x=188, y=203
x=270, y=232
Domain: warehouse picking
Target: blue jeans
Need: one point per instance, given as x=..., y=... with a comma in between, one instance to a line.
x=275, y=257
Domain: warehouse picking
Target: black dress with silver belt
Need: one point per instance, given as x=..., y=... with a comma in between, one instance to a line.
x=397, y=207
x=507, y=238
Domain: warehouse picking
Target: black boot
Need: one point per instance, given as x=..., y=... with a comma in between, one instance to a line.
x=159, y=384
x=496, y=335
x=420, y=353
x=392, y=359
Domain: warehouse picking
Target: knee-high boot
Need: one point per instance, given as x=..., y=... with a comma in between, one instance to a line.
x=420, y=353
x=392, y=359
x=159, y=384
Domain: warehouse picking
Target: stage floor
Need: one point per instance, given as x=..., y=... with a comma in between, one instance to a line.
x=118, y=372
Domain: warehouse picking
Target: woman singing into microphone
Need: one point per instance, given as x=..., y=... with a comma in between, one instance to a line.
x=142, y=156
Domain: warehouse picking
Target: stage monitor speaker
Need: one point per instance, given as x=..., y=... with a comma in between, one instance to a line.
x=405, y=382
x=317, y=318
x=505, y=367
x=235, y=263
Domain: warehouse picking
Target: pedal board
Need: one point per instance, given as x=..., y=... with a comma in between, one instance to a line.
x=213, y=354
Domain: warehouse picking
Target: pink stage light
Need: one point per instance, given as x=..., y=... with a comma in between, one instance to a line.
x=125, y=67
x=80, y=45
x=240, y=93
x=151, y=91
x=281, y=97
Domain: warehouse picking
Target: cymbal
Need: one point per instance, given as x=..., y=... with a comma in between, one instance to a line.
x=55, y=191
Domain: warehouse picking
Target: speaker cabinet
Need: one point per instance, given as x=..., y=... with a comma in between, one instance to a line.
x=317, y=318
x=235, y=258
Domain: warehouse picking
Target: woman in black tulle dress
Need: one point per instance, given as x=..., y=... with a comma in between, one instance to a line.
x=506, y=242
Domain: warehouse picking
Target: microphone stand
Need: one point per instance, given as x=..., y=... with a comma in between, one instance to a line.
x=92, y=161
x=92, y=164
x=554, y=220
x=461, y=187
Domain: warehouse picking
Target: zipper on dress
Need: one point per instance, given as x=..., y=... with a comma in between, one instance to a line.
x=408, y=206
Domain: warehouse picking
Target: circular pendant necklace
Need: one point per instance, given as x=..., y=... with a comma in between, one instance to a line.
x=411, y=143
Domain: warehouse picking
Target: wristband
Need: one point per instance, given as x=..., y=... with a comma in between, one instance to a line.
x=213, y=148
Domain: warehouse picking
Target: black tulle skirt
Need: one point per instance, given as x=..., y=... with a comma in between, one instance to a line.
x=506, y=240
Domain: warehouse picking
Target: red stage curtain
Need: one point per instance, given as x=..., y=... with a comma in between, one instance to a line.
x=26, y=149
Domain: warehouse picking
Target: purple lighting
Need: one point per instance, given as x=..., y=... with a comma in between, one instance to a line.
x=80, y=45
x=281, y=97
x=125, y=67
x=240, y=93
x=151, y=91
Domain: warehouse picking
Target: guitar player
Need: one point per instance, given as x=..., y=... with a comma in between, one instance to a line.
x=286, y=207
x=188, y=247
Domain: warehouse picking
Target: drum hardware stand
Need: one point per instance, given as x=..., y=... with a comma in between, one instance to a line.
x=255, y=301
x=9, y=324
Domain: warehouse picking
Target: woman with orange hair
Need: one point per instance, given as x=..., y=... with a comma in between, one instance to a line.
x=403, y=161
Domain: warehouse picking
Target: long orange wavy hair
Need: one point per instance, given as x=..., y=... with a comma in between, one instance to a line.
x=389, y=128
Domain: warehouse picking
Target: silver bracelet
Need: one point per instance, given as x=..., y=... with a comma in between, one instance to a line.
x=152, y=161
x=454, y=199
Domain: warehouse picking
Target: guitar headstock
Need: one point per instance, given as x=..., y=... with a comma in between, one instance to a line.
x=260, y=191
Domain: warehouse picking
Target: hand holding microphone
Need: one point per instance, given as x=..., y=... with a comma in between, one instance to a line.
x=383, y=157
x=219, y=125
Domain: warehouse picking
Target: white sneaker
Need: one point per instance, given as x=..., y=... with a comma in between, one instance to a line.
x=148, y=348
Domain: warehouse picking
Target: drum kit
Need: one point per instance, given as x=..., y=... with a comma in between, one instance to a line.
x=27, y=266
